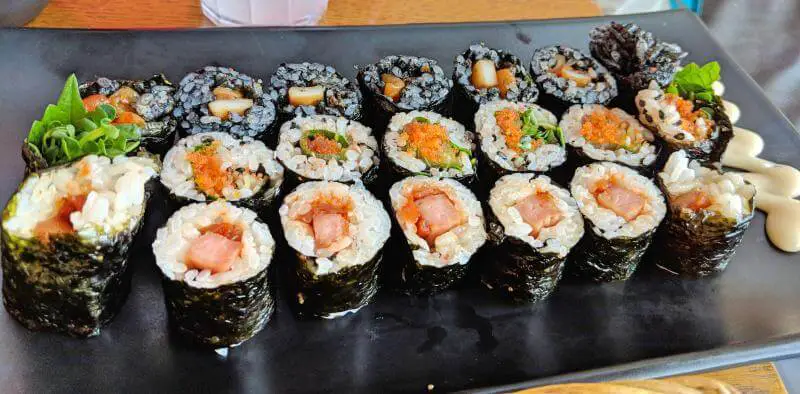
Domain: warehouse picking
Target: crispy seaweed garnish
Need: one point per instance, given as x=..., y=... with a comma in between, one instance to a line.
x=516, y=270
x=634, y=55
x=220, y=317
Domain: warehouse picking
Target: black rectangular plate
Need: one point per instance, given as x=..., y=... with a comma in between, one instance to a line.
x=462, y=339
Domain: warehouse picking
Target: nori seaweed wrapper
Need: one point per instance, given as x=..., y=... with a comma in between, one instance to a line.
x=427, y=88
x=697, y=244
x=292, y=179
x=467, y=99
x=557, y=93
x=263, y=203
x=397, y=173
x=311, y=295
x=516, y=270
x=634, y=55
x=195, y=92
x=69, y=286
x=577, y=158
x=154, y=105
x=489, y=172
x=219, y=317
x=600, y=259
x=341, y=97
x=402, y=273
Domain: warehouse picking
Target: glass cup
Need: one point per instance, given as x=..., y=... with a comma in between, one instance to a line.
x=264, y=12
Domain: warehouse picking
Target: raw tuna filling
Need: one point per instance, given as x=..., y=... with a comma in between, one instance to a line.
x=60, y=222
x=539, y=211
x=328, y=219
x=432, y=213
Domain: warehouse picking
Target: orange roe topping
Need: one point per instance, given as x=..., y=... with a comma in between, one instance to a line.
x=428, y=140
x=323, y=145
x=511, y=125
x=207, y=168
x=605, y=128
x=227, y=230
x=688, y=115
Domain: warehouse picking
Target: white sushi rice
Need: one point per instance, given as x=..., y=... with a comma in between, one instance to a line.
x=730, y=194
x=455, y=131
x=493, y=142
x=571, y=124
x=174, y=239
x=360, y=156
x=368, y=221
x=115, y=199
x=177, y=174
x=558, y=239
x=457, y=245
x=663, y=117
x=605, y=222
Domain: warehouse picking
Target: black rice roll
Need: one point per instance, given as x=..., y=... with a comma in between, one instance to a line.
x=533, y=225
x=635, y=57
x=566, y=76
x=220, y=99
x=66, y=236
x=482, y=74
x=401, y=84
x=214, y=260
x=438, y=227
x=622, y=210
x=336, y=233
x=708, y=213
x=218, y=166
x=147, y=103
x=303, y=89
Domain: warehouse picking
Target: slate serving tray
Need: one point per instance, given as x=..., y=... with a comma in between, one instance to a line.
x=461, y=340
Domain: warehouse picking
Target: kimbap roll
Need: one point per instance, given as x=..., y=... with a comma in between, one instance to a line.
x=214, y=261
x=482, y=74
x=688, y=115
x=622, y=210
x=221, y=99
x=634, y=55
x=66, y=236
x=302, y=89
x=211, y=166
x=337, y=232
x=566, y=77
x=598, y=133
x=518, y=137
x=400, y=84
x=148, y=104
x=426, y=143
x=322, y=147
x=533, y=225
x=708, y=213
x=439, y=227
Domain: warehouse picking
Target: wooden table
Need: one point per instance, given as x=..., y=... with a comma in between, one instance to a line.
x=760, y=378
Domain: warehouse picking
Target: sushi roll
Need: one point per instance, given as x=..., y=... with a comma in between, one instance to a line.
x=634, y=55
x=148, y=104
x=401, y=84
x=566, y=77
x=439, y=226
x=482, y=74
x=598, y=133
x=220, y=99
x=214, y=261
x=302, y=89
x=622, y=210
x=210, y=166
x=708, y=213
x=687, y=115
x=337, y=233
x=518, y=137
x=66, y=235
x=323, y=147
x=533, y=225
x=426, y=143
